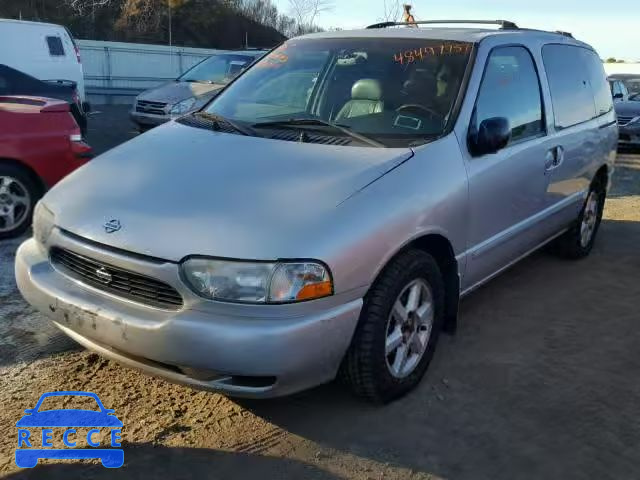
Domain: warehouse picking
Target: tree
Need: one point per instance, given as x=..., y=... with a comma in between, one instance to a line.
x=390, y=11
x=611, y=60
x=80, y=6
x=306, y=12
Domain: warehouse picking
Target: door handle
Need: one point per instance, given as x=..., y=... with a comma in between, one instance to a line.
x=554, y=158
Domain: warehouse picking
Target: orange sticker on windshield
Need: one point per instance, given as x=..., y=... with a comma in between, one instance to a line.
x=416, y=54
x=275, y=59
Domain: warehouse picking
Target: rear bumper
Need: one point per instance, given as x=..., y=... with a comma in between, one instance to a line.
x=244, y=351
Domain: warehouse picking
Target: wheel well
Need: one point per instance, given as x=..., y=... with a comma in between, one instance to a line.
x=34, y=177
x=603, y=172
x=440, y=248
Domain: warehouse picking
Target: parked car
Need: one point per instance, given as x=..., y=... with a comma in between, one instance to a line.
x=43, y=50
x=629, y=121
x=14, y=82
x=325, y=213
x=619, y=90
x=191, y=90
x=631, y=81
x=40, y=143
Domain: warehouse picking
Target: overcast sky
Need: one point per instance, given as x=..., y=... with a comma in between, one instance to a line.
x=611, y=27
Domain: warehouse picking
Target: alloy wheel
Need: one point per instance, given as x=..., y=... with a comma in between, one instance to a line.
x=409, y=328
x=14, y=203
x=589, y=219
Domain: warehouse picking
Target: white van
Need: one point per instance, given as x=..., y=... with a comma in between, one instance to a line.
x=42, y=50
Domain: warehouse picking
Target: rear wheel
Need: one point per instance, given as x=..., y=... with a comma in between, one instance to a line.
x=578, y=241
x=18, y=195
x=398, y=329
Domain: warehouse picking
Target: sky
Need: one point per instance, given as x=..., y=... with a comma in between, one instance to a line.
x=612, y=28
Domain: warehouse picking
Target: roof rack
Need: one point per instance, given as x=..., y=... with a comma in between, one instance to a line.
x=564, y=34
x=504, y=24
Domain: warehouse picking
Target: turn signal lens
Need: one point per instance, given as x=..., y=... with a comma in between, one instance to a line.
x=315, y=290
x=299, y=281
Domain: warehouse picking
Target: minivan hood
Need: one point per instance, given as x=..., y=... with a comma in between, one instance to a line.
x=174, y=92
x=180, y=191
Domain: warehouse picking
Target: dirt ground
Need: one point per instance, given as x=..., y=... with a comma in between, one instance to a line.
x=540, y=382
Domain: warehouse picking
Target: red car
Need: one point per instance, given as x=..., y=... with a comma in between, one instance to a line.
x=40, y=143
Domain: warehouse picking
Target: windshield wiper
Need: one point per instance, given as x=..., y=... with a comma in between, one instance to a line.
x=316, y=122
x=217, y=121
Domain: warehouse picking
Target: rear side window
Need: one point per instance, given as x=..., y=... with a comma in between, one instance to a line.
x=511, y=89
x=55, y=46
x=568, y=76
x=598, y=81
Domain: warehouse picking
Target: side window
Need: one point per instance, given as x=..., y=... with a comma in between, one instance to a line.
x=55, y=46
x=568, y=77
x=616, y=88
x=511, y=89
x=598, y=81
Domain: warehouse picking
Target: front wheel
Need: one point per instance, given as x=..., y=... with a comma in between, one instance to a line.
x=578, y=241
x=398, y=329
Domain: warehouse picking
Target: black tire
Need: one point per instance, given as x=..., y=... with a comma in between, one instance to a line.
x=570, y=244
x=364, y=368
x=34, y=191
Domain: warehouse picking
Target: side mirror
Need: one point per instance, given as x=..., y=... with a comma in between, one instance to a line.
x=618, y=96
x=492, y=135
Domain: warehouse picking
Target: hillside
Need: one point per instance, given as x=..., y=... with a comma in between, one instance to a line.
x=195, y=23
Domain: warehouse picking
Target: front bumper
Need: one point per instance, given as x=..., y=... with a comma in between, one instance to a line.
x=629, y=135
x=241, y=350
x=148, y=120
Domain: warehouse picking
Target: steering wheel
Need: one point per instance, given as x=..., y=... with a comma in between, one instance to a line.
x=416, y=106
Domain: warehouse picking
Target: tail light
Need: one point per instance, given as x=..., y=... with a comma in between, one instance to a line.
x=78, y=146
x=77, y=52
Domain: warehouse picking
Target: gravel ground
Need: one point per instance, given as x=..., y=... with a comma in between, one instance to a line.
x=541, y=381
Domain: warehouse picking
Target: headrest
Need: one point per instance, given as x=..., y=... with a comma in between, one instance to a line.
x=366, y=89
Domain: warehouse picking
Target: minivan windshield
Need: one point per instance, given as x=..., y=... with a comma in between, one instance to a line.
x=217, y=69
x=395, y=91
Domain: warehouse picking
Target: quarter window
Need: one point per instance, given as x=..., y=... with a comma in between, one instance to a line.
x=511, y=89
x=569, y=82
x=598, y=81
x=55, y=46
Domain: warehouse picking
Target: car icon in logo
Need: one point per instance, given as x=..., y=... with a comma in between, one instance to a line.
x=28, y=453
x=112, y=226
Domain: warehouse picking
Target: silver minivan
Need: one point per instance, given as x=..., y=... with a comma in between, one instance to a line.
x=324, y=215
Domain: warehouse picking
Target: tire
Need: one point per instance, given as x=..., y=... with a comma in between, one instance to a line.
x=572, y=244
x=367, y=368
x=13, y=180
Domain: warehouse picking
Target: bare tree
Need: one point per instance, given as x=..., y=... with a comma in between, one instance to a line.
x=391, y=10
x=306, y=12
x=80, y=6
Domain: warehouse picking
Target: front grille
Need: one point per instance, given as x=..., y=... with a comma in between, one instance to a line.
x=115, y=280
x=146, y=106
x=622, y=121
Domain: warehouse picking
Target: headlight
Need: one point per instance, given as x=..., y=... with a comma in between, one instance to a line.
x=43, y=223
x=183, y=107
x=634, y=121
x=253, y=282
